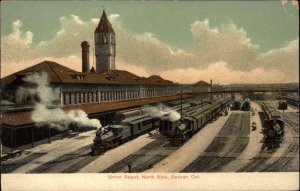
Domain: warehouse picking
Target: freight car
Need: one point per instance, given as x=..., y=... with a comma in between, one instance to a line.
x=273, y=130
x=282, y=105
x=184, y=128
x=113, y=135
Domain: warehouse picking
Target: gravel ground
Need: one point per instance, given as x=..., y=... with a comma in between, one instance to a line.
x=227, y=145
x=112, y=156
x=254, y=144
x=55, y=150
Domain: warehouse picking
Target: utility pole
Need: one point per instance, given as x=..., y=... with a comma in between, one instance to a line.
x=181, y=104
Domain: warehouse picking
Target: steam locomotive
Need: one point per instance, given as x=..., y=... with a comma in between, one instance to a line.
x=273, y=130
x=131, y=127
x=181, y=130
x=112, y=136
x=282, y=105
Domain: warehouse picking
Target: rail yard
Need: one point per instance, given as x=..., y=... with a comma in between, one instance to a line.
x=219, y=135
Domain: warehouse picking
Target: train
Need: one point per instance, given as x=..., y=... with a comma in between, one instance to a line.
x=282, y=105
x=293, y=100
x=111, y=136
x=246, y=105
x=236, y=105
x=273, y=128
x=167, y=123
x=127, y=113
x=131, y=126
x=243, y=105
x=181, y=130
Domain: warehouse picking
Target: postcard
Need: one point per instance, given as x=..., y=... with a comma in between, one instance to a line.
x=150, y=95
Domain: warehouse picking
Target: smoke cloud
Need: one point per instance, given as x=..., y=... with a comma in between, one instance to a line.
x=162, y=111
x=47, y=111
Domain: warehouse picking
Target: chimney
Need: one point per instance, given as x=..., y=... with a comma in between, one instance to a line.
x=211, y=85
x=85, y=56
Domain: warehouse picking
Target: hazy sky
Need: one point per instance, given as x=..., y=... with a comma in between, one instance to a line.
x=228, y=41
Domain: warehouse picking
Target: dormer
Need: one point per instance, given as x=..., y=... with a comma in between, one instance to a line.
x=78, y=76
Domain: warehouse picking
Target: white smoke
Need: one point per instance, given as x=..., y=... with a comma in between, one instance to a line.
x=55, y=117
x=162, y=111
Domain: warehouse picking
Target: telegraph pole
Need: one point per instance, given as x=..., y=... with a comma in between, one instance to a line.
x=181, y=104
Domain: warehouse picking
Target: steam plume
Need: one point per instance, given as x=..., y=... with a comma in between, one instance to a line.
x=161, y=111
x=55, y=117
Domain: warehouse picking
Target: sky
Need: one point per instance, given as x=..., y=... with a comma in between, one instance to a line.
x=183, y=41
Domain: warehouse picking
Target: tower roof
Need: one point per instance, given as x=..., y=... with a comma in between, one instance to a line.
x=85, y=43
x=104, y=25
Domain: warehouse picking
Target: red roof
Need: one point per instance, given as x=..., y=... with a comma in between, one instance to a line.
x=61, y=74
x=54, y=71
x=201, y=83
x=104, y=25
x=154, y=79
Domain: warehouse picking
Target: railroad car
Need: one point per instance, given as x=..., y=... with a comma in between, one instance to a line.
x=123, y=114
x=236, y=105
x=282, y=105
x=293, y=100
x=113, y=135
x=76, y=127
x=174, y=103
x=167, y=124
x=246, y=105
x=273, y=130
x=191, y=122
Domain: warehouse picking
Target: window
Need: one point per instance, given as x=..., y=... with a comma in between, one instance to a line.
x=77, y=98
x=113, y=39
x=104, y=38
x=72, y=98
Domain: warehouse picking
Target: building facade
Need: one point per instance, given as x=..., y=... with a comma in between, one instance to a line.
x=75, y=88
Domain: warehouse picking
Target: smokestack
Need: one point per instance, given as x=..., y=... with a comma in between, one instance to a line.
x=85, y=56
x=211, y=85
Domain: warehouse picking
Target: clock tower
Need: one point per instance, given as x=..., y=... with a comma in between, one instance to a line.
x=105, y=45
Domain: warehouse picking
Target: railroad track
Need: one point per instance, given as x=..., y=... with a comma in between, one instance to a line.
x=292, y=121
x=10, y=166
x=145, y=158
x=228, y=144
x=258, y=163
x=282, y=164
x=70, y=162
